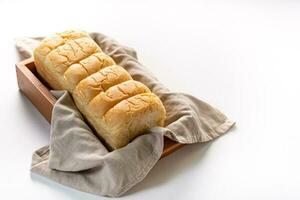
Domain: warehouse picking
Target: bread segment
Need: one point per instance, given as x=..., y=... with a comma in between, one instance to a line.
x=98, y=82
x=132, y=115
x=90, y=65
x=71, y=52
x=45, y=66
x=114, y=95
x=52, y=42
x=72, y=34
x=117, y=107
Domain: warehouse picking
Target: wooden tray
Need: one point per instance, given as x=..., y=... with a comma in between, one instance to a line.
x=37, y=91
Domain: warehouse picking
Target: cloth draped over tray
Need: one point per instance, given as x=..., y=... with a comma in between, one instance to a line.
x=76, y=158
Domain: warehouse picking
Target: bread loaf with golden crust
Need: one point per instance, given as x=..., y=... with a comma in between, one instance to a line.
x=116, y=106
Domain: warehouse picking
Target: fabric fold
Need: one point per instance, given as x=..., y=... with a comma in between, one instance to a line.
x=76, y=157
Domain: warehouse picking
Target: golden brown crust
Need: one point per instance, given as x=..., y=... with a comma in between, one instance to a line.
x=104, y=101
x=118, y=107
x=135, y=114
x=98, y=82
x=90, y=65
x=71, y=52
x=56, y=53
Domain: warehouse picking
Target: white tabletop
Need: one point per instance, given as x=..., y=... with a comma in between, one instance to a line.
x=243, y=58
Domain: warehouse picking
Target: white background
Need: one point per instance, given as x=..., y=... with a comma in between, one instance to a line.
x=242, y=57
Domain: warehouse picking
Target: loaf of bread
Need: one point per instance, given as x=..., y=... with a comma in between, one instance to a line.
x=117, y=107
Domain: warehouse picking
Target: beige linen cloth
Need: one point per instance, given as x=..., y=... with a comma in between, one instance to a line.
x=76, y=158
